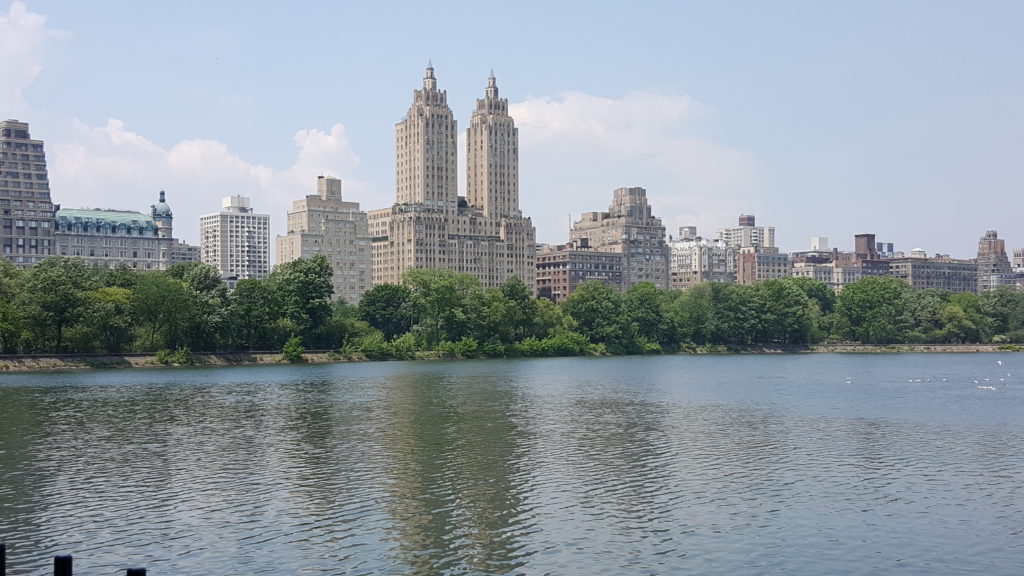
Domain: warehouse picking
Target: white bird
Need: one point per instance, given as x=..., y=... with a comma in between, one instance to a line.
x=1000, y=362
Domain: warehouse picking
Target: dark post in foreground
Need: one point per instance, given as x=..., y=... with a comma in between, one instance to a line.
x=62, y=565
x=136, y=572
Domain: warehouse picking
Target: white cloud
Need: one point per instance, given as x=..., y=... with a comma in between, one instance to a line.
x=113, y=167
x=576, y=148
x=22, y=34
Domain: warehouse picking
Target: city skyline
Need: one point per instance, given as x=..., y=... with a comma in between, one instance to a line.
x=829, y=121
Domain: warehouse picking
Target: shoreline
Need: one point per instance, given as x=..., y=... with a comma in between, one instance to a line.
x=59, y=362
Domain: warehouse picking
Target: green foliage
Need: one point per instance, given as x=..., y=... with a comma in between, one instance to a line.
x=386, y=307
x=447, y=305
x=53, y=299
x=177, y=356
x=598, y=311
x=302, y=290
x=870, y=310
x=293, y=350
x=463, y=348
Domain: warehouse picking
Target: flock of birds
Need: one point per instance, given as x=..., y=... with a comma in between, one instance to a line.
x=849, y=380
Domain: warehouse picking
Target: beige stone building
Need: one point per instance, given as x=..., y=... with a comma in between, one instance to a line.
x=236, y=240
x=430, y=225
x=994, y=268
x=939, y=272
x=324, y=223
x=628, y=228
x=26, y=212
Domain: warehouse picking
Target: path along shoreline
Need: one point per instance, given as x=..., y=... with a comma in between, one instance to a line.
x=43, y=363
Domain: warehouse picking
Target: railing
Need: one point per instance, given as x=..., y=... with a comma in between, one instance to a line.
x=61, y=565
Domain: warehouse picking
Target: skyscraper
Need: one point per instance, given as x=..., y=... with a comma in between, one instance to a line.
x=236, y=240
x=631, y=229
x=26, y=211
x=325, y=224
x=994, y=268
x=430, y=226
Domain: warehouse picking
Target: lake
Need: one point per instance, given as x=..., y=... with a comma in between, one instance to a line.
x=734, y=464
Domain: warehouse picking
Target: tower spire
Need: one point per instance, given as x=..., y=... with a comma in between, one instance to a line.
x=429, y=82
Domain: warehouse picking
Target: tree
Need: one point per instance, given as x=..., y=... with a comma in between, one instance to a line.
x=509, y=312
x=10, y=320
x=251, y=309
x=303, y=290
x=386, y=307
x=157, y=304
x=53, y=299
x=204, y=318
x=597, y=310
x=108, y=319
x=447, y=304
x=871, y=310
x=783, y=313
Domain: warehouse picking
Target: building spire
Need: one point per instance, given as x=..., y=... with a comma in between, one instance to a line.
x=429, y=82
x=492, y=87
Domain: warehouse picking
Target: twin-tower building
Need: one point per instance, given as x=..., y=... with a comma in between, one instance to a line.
x=483, y=233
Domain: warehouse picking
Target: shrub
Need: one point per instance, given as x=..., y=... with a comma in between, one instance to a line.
x=293, y=350
x=179, y=356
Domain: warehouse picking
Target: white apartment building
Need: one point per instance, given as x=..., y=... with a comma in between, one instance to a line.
x=236, y=240
x=748, y=234
x=696, y=259
x=323, y=223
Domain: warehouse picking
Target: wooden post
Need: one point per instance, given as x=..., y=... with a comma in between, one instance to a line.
x=136, y=572
x=62, y=565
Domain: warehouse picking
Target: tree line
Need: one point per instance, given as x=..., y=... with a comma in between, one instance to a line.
x=61, y=305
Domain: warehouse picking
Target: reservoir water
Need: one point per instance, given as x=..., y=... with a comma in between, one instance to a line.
x=767, y=464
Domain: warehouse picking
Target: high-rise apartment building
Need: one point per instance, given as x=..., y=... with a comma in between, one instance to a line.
x=121, y=237
x=631, y=229
x=236, y=240
x=323, y=223
x=748, y=234
x=994, y=268
x=26, y=211
x=430, y=225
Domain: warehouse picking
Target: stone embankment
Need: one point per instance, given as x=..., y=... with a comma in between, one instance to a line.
x=38, y=363
x=35, y=363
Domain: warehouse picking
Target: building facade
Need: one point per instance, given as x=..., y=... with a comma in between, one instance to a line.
x=940, y=273
x=994, y=268
x=756, y=263
x=236, y=240
x=430, y=225
x=631, y=229
x=27, y=219
x=323, y=223
x=561, y=270
x=122, y=238
x=695, y=259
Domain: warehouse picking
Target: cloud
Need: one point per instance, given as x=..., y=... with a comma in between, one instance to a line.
x=22, y=34
x=576, y=148
x=113, y=167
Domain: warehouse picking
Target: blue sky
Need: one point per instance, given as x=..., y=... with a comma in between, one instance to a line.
x=905, y=119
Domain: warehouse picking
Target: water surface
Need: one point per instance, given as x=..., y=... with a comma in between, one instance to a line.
x=795, y=464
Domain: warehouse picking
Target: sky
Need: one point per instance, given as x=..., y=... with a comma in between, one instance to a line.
x=903, y=119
